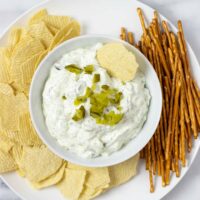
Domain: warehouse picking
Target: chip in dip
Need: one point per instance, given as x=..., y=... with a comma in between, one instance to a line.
x=89, y=112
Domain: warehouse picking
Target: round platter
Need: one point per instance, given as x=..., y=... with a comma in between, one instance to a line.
x=103, y=17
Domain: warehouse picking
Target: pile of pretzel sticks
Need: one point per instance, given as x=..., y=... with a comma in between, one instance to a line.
x=180, y=119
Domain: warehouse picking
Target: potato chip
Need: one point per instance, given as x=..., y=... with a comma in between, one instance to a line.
x=39, y=163
x=124, y=171
x=20, y=55
x=71, y=185
x=16, y=153
x=70, y=34
x=119, y=62
x=97, y=177
x=36, y=18
x=40, y=31
x=27, y=134
x=28, y=68
x=52, y=180
x=66, y=32
x=57, y=21
x=4, y=65
x=42, y=56
x=11, y=107
x=6, y=143
x=7, y=163
x=90, y=193
x=52, y=29
x=15, y=36
x=6, y=89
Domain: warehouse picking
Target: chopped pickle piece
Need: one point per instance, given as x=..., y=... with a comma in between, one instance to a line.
x=64, y=97
x=110, y=118
x=73, y=68
x=88, y=92
x=105, y=87
x=96, y=78
x=123, y=83
x=79, y=114
x=81, y=99
x=89, y=69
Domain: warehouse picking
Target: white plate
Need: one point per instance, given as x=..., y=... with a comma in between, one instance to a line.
x=103, y=17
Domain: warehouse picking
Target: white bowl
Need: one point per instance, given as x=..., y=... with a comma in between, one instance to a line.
x=129, y=150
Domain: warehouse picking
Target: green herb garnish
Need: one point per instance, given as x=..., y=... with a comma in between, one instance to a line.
x=73, y=68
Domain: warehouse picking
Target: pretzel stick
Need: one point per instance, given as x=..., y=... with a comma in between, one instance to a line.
x=175, y=111
x=166, y=29
x=182, y=124
x=139, y=11
x=163, y=171
x=176, y=151
x=131, y=38
x=123, y=34
x=165, y=47
x=174, y=44
x=150, y=168
x=196, y=105
x=189, y=140
x=160, y=51
x=180, y=27
x=169, y=131
x=190, y=100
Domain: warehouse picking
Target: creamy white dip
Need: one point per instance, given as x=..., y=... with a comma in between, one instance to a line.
x=86, y=138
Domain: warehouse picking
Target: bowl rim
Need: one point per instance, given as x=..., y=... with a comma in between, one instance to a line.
x=31, y=103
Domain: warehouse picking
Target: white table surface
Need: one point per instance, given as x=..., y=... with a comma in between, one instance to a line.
x=188, y=12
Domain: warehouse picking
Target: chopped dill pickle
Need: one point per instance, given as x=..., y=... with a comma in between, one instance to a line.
x=89, y=69
x=88, y=92
x=119, y=108
x=79, y=114
x=96, y=78
x=105, y=87
x=94, y=86
x=73, y=68
x=110, y=118
x=79, y=100
x=123, y=83
x=64, y=97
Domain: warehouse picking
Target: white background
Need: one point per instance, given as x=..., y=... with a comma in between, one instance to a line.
x=186, y=10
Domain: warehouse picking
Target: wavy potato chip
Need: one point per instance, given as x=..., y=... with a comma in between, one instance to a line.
x=11, y=107
x=71, y=185
x=39, y=163
x=124, y=171
x=6, y=143
x=5, y=65
x=6, y=89
x=52, y=29
x=20, y=55
x=15, y=36
x=52, y=180
x=7, y=163
x=56, y=21
x=37, y=17
x=27, y=134
x=71, y=30
x=16, y=153
x=118, y=61
x=96, y=178
x=90, y=193
x=41, y=32
x=28, y=68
